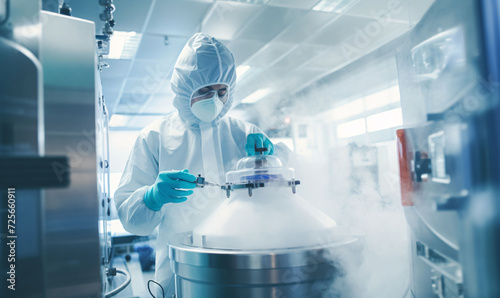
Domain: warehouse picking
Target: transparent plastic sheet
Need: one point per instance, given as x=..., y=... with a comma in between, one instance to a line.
x=265, y=168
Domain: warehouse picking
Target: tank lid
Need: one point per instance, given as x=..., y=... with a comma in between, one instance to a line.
x=259, y=168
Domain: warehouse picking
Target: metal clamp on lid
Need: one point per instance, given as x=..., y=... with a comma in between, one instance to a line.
x=250, y=185
x=260, y=150
x=200, y=181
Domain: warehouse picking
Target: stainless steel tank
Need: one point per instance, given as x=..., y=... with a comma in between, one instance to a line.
x=291, y=272
x=263, y=241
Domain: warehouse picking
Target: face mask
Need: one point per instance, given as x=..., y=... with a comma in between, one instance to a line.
x=207, y=109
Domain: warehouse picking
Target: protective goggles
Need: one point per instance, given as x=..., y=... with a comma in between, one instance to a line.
x=206, y=92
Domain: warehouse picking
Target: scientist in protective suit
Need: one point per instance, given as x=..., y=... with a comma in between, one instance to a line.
x=157, y=186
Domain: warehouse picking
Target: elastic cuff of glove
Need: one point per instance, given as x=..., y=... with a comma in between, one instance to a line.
x=148, y=200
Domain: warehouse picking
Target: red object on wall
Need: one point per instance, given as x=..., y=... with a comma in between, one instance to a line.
x=405, y=175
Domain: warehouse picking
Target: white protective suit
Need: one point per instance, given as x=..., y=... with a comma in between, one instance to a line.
x=181, y=141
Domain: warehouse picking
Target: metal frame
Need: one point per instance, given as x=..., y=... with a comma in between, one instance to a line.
x=258, y=184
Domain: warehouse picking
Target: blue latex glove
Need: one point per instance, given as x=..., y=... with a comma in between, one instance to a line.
x=258, y=140
x=169, y=187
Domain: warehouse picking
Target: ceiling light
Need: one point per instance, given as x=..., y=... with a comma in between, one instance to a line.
x=352, y=128
x=118, y=120
x=240, y=70
x=123, y=45
x=382, y=98
x=347, y=110
x=257, y=95
x=338, y=6
x=385, y=120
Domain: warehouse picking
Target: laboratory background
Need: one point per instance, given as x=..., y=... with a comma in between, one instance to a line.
x=388, y=111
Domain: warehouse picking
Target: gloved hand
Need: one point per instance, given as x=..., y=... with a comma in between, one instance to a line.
x=258, y=140
x=169, y=187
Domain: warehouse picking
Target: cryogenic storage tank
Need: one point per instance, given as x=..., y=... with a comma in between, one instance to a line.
x=263, y=241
